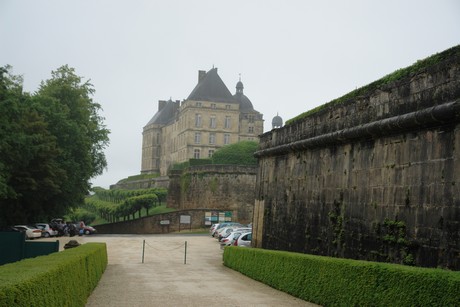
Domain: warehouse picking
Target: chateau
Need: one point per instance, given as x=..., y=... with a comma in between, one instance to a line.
x=195, y=128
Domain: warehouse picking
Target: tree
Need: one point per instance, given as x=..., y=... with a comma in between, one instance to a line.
x=51, y=145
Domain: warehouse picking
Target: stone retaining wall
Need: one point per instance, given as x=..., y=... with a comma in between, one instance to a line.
x=374, y=178
x=220, y=187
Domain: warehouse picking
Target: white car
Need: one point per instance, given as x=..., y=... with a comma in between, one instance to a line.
x=32, y=232
x=213, y=228
x=244, y=240
x=46, y=229
x=221, y=225
x=221, y=232
x=232, y=237
x=229, y=230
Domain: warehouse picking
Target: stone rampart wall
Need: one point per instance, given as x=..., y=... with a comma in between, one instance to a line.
x=157, y=224
x=158, y=182
x=375, y=178
x=220, y=187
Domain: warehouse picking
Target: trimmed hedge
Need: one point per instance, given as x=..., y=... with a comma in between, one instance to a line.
x=65, y=278
x=345, y=282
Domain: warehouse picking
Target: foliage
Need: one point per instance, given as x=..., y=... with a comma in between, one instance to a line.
x=399, y=74
x=80, y=214
x=333, y=281
x=75, y=272
x=118, y=203
x=51, y=144
x=241, y=153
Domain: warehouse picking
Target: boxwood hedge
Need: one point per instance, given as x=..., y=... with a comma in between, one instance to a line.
x=65, y=278
x=344, y=282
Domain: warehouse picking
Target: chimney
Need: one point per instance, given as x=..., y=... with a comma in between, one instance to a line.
x=201, y=75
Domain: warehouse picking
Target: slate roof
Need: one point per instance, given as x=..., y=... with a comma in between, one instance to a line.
x=164, y=115
x=211, y=88
x=245, y=103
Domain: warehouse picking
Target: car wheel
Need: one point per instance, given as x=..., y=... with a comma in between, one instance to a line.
x=87, y=232
x=47, y=234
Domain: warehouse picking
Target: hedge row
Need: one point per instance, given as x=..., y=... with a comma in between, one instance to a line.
x=344, y=282
x=65, y=278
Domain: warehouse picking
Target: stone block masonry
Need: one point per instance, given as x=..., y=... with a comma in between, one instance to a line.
x=375, y=177
x=215, y=187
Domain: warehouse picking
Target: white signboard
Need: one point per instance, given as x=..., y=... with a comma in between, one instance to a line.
x=164, y=222
x=185, y=219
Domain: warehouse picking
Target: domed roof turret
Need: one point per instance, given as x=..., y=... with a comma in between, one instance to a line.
x=239, y=87
x=245, y=103
x=277, y=122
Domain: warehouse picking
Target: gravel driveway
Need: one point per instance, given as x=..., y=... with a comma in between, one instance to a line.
x=164, y=280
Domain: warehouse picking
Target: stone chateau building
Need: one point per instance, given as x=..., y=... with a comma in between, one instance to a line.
x=195, y=128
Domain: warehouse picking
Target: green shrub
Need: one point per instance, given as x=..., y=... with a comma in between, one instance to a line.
x=241, y=153
x=65, y=278
x=333, y=281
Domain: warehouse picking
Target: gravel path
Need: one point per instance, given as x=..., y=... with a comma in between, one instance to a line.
x=164, y=280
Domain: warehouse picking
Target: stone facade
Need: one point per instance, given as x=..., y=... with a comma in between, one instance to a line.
x=215, y=187
x=208, y=119
x=374, y=178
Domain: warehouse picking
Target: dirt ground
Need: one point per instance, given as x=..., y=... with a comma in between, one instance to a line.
x=164, y=280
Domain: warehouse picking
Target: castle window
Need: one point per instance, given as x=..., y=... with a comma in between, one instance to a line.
x=228, y=107
x=198, y=120
x=198, y=104
x=251, y=118
x=227, y=124
x=251, y=129
x=210, y=153
x=196, y=154
x=226, y=138
x=212, y=138
x=212, y=122
x=197, y=137
x=213, y=105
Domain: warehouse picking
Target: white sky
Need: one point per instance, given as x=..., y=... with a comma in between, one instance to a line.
x=292, y=55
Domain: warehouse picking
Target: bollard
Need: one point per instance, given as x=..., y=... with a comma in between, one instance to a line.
x=143, y=250
x=185, y=254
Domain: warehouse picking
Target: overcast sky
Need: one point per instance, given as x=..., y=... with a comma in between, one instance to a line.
x=292, y=55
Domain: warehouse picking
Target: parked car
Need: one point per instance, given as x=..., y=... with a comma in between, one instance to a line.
x=89, y=230
x=221, y=225
x=47, y=230
x=231, y=238
x=213, y=228
x=224, y=227
x=244, y=240
x=227, y=230
x=32, y=232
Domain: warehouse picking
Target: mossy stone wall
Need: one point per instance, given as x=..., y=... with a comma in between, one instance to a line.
x=374, y=178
